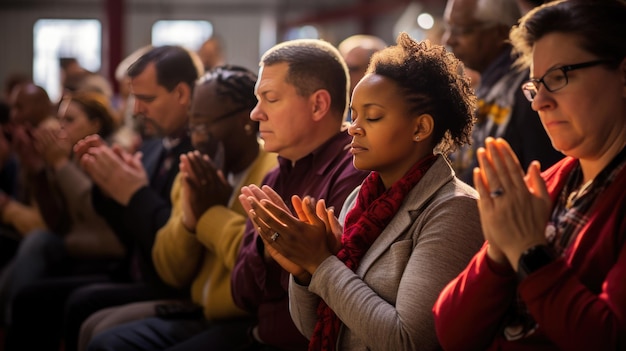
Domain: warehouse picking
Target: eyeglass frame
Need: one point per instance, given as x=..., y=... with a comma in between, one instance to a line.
x=534, y=82
x=204, y=126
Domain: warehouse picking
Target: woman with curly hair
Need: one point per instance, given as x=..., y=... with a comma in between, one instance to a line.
x=409, y=228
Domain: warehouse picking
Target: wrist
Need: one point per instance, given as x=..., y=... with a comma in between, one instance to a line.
x=303, y=279
x=189, y=225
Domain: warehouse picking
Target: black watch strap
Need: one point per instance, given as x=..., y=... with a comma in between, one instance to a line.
x=533, y=259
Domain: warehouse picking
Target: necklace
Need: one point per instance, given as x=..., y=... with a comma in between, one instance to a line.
x=577, y=194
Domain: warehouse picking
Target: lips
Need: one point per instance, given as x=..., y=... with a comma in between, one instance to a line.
x=355, y=148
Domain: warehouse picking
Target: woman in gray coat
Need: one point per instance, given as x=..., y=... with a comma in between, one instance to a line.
x=409, y=228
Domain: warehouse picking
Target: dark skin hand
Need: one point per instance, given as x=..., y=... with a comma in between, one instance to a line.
x=204, y=186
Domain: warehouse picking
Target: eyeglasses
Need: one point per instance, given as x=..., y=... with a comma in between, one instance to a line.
x=203, y=128
x=555, y=78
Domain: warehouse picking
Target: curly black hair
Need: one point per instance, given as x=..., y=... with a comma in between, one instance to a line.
x=433, y=82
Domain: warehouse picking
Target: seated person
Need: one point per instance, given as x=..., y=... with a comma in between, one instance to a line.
x=77, y=240
x=197, y=247
x=409, y=228
x=551, y=275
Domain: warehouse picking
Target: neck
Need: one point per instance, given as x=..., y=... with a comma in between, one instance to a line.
x=244, y=160
x=591, y=167
x=309, y=143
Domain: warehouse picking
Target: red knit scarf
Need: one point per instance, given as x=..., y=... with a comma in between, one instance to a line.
x=374, y=209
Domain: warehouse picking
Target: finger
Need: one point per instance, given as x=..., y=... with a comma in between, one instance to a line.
x=535, y=182
x=335, y=225
x=321, y=212
x=497, y=175
x=488, y=172
x=257, y=193
x=183, y=162
x=481, y=187
x=510, y=171
x=296, y=201
x=245, y=203
x=201, y=165
x=309, y=208
x=273, y=196
x=276, y=219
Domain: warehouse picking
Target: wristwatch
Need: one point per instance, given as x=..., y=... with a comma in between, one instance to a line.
x=533, y=259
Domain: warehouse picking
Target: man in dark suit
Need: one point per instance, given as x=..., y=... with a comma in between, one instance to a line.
x=132, y=194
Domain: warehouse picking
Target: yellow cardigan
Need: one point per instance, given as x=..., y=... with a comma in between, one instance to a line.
x=206, y=259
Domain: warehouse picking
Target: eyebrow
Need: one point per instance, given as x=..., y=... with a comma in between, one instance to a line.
x=144, y=97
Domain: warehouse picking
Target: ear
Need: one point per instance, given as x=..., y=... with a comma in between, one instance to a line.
x=183, y=93
x=320, y=104
x=424, y=126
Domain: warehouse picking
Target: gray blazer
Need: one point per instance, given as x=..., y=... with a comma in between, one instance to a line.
x=387, y=303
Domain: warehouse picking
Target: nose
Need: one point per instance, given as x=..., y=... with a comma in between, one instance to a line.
x=543, y=99
x=354, y=129
x=138, y=108
x=448, y=39
x=257, y=114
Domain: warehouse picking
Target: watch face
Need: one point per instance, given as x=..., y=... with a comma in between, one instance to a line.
x=533, y=259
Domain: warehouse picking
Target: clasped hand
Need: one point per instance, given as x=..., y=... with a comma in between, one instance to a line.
x=303, y=242
x=514, y=207
x=53, y=146
x=118, y=173
x=204, y=186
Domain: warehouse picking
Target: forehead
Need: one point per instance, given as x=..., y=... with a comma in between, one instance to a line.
x=272, y=77
x=556, y=49
x=379, y=90
x=460, y=11
x=208, y=104
x=146, y=79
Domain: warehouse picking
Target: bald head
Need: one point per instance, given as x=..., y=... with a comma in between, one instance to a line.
x=29, y=104
x=211, y=53
x=357, y=51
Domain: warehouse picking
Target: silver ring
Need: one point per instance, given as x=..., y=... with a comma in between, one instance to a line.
x=496, y=193
x=274, y=236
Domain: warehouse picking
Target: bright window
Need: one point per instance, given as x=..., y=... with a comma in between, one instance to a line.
x=189, y=34
x=57, y=38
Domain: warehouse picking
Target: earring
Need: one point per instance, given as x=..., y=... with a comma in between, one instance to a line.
x=248, y=129
x=417, y=138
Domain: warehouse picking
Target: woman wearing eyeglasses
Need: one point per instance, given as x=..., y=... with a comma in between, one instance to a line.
x=552, y=274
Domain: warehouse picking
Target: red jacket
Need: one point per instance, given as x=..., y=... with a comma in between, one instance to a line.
x=578, y=301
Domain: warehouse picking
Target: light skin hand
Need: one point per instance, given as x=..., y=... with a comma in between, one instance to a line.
x=203, y=187
x=83, y=145
x=53, y=147
x=306, y=210
x=302, y=243
x=118, y=177
x=252, y=193
x=515, y=221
